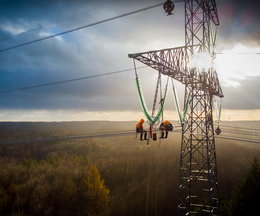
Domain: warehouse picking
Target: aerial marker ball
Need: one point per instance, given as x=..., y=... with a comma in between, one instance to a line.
x=168, y=7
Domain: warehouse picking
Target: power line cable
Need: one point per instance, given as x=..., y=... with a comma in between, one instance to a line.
x=241, y=132
x=236, y=53
x=62, y=19
x=252, y=129
x=236, y=139
x=96, y=23
x=67, y=81
x=55, y=139
x=243, y=137
x=80, y=27
x=106, y=134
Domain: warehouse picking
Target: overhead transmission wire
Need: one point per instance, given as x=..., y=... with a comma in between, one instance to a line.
x=238, y=139
x=68, y=80
x=67, y=138
x=99, y=75
x=247, y=131
x=72, y=30
x=93, y=24
x=80, y=27
x=105, y=3
x=84, y=26
x=245, y=128
x=242, y=137
x=107, y=134
x=78, y=136
x=241, y=132
x=237, y=53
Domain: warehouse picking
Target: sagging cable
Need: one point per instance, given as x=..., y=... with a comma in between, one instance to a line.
x=176, y=101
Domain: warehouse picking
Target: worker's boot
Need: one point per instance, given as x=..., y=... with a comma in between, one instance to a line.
x=166, y=134
x=162, y=135
x=145, y=135
x=141, y=136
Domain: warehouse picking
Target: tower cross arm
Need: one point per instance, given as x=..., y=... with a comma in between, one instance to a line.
x=174, y=62
x=171, y=62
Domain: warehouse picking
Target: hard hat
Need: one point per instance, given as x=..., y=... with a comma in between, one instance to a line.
x=167, y=122
x=142, y=121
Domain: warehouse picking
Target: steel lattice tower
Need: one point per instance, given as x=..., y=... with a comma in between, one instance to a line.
x=198, y=167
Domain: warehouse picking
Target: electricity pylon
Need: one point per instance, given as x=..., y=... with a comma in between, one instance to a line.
x=198, y=180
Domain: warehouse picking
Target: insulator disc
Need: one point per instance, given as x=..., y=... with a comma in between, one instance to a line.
x=168, y=7
x=218, y=131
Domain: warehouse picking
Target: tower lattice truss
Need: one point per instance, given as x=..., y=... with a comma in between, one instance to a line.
x=198, y=180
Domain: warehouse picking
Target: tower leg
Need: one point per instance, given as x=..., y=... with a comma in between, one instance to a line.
x=198, y=179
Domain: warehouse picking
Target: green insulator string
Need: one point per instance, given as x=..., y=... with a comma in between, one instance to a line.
x=142, y=102
x=149, y=118
x=176, y=102
x=219, y=113
x=182, y=116
x=218, y=109
x=157, y=117
x=185, y=110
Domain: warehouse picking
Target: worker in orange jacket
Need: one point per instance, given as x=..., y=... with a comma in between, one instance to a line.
x=165, y=126
x=140, y=129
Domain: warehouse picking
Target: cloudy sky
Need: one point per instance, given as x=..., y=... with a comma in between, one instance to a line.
x=104, y=48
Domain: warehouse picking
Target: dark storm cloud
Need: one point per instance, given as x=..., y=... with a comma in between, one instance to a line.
x=239, y=22
x=100, y=49
x=244, y=96
x=57, y=62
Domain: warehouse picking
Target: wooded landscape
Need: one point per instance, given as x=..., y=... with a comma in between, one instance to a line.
x=112, y=175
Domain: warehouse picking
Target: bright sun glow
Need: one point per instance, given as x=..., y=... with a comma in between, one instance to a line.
x=201, y=61
x=233, y=66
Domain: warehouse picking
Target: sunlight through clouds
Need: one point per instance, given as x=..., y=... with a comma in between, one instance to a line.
x=232, y=66
x=201, y=61
x=13, y=29
x=105, y=48
x=80, y=115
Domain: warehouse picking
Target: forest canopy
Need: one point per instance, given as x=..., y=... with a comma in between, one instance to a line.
x=109, y=176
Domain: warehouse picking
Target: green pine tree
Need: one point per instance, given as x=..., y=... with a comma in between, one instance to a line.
x=245, y=199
